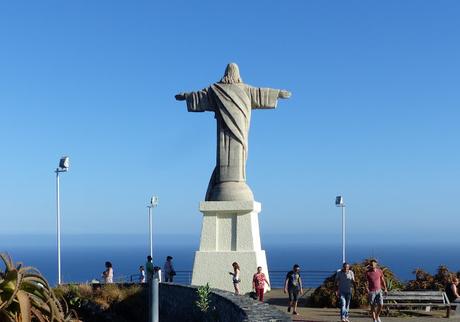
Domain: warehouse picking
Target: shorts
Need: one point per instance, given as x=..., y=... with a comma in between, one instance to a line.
x=376, y=298
x=293, y=294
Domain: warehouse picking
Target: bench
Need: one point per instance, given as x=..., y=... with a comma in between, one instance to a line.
x=456, y=310
x=414, y=299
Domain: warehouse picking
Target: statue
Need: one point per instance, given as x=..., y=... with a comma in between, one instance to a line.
x=231, y=101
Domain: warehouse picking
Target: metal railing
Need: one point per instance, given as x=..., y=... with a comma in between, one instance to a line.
x=182, y=277
x=310, y=279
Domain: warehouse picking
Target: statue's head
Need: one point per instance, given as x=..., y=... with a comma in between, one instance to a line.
x=232, y=74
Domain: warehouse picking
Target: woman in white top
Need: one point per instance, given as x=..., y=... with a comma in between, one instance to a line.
x=108, y=273
x=236, y=277
x=141, y=274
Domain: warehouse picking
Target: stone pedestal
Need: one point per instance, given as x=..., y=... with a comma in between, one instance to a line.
x=230, y=233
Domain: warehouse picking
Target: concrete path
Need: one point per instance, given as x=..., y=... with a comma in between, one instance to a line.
x=308, y=314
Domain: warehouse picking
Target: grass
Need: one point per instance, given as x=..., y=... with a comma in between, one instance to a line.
x=96, y=302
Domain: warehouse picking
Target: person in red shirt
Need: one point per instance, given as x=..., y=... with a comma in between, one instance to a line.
x=375, y=282
x=258, y=283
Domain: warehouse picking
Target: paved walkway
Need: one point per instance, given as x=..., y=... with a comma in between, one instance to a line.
x=308, y=314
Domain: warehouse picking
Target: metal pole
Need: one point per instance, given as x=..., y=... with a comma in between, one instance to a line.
x=150, y=231
x=154, y=288
x=58, y=213
x=343, y=234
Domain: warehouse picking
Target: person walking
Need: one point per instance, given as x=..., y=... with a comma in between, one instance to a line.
x=258, y=283
x=293, y=286
x=344, y=279
x=236, y=277
x=141, y=274
x=108, y=273
x=149, y=268
x=375, y=283
x=169, y=269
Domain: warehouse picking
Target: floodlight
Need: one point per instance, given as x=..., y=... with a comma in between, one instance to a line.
x=64, y=163
x=339, y=201
x=154, y=201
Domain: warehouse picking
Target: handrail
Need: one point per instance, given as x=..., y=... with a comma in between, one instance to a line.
x=311, y=279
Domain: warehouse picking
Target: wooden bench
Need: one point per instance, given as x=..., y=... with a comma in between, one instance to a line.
x=456, y=310
x=417, y=299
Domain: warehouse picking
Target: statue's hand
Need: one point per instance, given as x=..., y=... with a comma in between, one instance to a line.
x=181, y=97
x=284, y=94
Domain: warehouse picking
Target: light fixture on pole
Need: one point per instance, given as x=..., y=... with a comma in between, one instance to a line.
x=340, y=203
x=153, y=204
x=64, y=164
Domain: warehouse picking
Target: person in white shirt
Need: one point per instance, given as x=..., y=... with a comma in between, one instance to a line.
x=108, y=273
x=141, y=274
x=236, y=277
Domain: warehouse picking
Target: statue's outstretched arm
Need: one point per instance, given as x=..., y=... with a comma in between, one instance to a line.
x=181, y=96
x=284, y=94
x=264, y=97
x=199, y=101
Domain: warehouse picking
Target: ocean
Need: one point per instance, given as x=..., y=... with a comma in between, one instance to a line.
x=86, y=262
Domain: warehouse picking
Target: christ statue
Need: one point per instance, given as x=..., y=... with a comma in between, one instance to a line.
x=231, y=101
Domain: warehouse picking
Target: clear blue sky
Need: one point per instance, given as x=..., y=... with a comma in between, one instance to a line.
x=374, y=113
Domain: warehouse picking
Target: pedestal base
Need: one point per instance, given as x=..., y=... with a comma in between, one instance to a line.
x=214, y=268
x=230, y=233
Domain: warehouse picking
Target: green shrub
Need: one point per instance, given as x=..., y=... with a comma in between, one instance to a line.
x=109, y=301
x=426, y=281
x=204, y=298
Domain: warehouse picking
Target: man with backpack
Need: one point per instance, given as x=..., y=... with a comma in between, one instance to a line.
x=293, y=286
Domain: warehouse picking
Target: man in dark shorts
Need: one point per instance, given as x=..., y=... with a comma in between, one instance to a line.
x=375, y=282
x=293, y=286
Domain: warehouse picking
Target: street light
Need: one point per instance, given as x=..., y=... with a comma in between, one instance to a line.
x=64, y=164
x=340, y=203
x=154, y=287
x=153, y=204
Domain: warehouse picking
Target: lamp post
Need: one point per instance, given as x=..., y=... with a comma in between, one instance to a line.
x=64, y=164
x=153, y=204
x=153, y=283
x=340, y=203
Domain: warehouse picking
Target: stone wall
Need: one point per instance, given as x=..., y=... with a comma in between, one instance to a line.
x=177, y=303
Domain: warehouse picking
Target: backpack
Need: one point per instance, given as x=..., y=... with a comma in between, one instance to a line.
x=253, y=295
x=294, y=279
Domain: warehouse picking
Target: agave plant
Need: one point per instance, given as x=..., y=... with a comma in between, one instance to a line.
x=25, y=296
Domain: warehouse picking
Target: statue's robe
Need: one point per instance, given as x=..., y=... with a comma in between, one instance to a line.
x=232, y=105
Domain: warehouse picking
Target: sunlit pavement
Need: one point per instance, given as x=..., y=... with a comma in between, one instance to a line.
x=277, y=298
